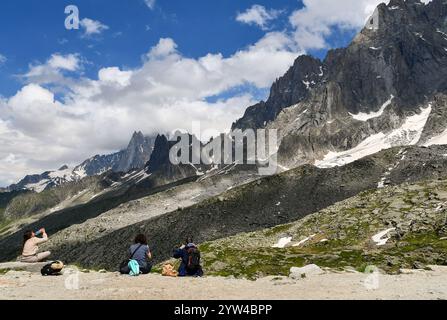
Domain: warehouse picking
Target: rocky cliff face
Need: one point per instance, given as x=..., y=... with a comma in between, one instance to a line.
x=161, y=166
x=306, y=73
x=378, y=88
x=136, y=155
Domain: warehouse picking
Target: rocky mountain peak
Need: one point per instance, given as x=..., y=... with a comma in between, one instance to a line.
x=137, y=138
x=391, y=73
x=160, y=156
x=306, y=73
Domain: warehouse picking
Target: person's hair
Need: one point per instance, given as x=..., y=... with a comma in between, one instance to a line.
x=27, y=235
x=189, y=240
x=141, y=239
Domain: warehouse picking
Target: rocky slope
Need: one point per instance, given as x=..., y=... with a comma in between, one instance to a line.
x=261, y=204
x=399, y=227
x=72, y=193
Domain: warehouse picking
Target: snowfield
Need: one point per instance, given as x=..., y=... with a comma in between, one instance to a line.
x=282, y=242
x=408, y=134
x=438, y=140
x=366, y=116
x=380, y=239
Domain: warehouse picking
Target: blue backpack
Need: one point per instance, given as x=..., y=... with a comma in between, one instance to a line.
x=134, y=268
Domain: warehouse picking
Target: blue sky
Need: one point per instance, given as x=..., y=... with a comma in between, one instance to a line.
x=149, y=65
x=33, y=30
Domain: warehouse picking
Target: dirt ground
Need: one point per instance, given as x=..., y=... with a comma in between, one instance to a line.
x=74, y=285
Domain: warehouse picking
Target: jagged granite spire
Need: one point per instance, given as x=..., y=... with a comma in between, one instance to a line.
x=370, y=88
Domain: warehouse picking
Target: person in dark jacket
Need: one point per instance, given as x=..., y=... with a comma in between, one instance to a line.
x=190, y=256
x=140, y=252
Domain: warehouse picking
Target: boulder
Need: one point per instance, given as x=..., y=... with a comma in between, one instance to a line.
x=309, y=270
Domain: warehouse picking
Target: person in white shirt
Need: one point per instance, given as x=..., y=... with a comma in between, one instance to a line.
x=30, y=251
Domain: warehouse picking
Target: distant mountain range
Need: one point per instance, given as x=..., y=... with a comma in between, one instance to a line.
x=134, y=157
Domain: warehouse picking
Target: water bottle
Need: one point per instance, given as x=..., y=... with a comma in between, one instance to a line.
x=37, y=233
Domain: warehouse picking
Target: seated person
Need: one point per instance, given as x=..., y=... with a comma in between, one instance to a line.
x=141, y=253
x=30, y=253
x=190, y=256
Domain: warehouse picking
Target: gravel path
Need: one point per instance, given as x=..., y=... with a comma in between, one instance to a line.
x=98, y=286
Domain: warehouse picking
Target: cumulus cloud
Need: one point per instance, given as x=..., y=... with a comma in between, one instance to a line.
x=95, y=116
x=53, y=70
x=92, y=27
x=258, y=15
x=165, y=46
x=114, y=75
x=314, y=23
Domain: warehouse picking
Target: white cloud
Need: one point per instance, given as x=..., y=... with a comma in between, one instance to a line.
x=315, y=21
x=92, y=27
x=3, y=59
x=115, y=76
x=168, y=91
x=165, y=47
x=150, y=4
x=69, y=62
x=258, y=15
x=52, y=71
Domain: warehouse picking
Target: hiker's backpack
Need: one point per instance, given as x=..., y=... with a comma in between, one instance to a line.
x=52, y=269
x=126, y=263
x=134, y=268
x=193, y=259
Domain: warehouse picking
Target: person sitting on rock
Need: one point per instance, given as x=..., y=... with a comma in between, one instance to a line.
x=190, y=255
x=141, y=253
x=30, y=253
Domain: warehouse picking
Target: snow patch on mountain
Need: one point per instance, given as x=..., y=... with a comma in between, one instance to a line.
x=38, y=187
x=366, y=116
x=66, y=174
x=408, y=134
x=438, y=140
x=304, y=240
x=282, y=242
x=380, y=239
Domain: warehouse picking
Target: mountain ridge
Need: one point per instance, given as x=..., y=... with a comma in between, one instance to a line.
x=134, y=157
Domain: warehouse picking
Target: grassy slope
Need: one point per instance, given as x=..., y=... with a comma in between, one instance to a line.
x=348, y=226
